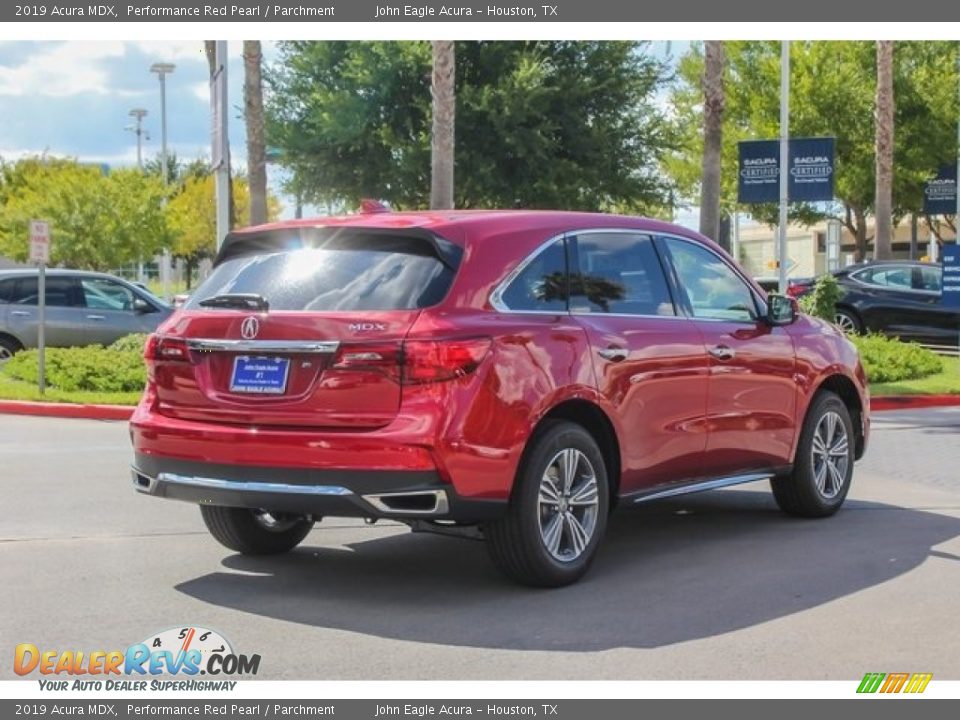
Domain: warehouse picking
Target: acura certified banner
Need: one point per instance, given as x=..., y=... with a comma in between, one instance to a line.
x=810, y=166
x=326, y=11
x=940, y=193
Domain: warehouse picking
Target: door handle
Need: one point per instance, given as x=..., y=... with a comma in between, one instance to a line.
x=722, y=352
x=613, y=354
x=96, y=317
x=20, y=313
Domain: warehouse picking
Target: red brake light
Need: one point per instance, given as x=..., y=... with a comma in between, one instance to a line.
x=797, y=290
x=371, y=357
x=165, y=348
x=429, y=361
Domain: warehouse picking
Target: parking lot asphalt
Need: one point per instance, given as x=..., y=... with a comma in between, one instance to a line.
x=712, y=586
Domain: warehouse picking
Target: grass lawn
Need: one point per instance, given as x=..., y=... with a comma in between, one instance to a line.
x=946, y=382
x=12, y=389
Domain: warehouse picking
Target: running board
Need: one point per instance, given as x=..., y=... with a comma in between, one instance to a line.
x=699, y=486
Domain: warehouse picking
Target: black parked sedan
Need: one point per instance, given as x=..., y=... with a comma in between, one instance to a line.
x=896, y=298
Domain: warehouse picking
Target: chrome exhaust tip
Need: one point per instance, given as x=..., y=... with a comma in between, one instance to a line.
x=419, y=502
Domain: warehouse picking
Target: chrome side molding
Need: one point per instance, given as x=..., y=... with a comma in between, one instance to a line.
x=700, y=486
x=149, y=485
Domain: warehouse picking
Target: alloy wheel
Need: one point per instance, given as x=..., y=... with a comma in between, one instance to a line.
x=845, y=323
x=568, y=505
x=831, y=455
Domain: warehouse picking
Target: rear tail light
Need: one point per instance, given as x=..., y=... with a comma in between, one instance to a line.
x=163, y=348
x=427, y=361
x=797, y=290
x=372, y=358
x=419, y=362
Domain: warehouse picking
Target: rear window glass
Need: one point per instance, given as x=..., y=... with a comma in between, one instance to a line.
x=341, y=274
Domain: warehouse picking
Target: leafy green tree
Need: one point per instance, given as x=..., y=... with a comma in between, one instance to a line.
x=98, y=221
x=832, y=93
x=539, y=124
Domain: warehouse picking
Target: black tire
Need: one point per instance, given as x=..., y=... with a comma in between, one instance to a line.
x=848, y=321
x=516, y=543
x=240, y=529
x=798, y=493
x=8, y=347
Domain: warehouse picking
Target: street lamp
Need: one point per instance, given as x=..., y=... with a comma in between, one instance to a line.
x=163, y=69
x=138, y=114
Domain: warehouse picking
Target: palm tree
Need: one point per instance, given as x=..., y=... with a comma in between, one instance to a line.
x=256, y=144
x=444, y=112
x=884, y=151
x=713, y=101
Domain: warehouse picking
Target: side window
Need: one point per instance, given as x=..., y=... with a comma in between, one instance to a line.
x=714, y=291
x=618, y=273
x=6, y=290
x=925, y=278
x=103, y=294
x=896, y=277
x=59, y=292
x=542, y=284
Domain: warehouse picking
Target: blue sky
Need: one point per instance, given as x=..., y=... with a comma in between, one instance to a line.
x=73, y=99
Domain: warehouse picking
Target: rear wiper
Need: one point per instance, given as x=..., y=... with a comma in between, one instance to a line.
x=240, y=301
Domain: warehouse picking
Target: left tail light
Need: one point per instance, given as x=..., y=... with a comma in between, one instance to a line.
x=167, y=349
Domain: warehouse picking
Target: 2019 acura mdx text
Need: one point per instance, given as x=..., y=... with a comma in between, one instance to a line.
x=514, y=374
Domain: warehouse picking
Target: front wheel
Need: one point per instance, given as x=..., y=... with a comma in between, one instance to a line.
x=823, y=467
x=255, y=532
x=558, y=512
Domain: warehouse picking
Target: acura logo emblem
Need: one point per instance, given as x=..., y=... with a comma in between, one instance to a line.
x=250, y=328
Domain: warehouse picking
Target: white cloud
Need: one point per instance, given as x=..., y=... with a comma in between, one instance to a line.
x=64, y=69
x=201, y=91
x=177, y=51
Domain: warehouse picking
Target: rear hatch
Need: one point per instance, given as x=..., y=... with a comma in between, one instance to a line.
x=301, y=327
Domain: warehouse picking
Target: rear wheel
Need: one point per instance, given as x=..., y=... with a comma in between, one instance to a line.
x=8, y=346
x=848, y=322
x=255, y=532
x=823, y=468
x=558, y=513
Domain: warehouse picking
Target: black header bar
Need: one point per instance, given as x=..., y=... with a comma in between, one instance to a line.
x=536, y=11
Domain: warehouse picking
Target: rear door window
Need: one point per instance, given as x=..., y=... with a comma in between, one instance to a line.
x=342, y=273
x=60, y=292
x=618, y=273
x=895, y=277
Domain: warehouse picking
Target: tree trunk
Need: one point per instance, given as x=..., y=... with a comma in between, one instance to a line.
x=444, y=113
x=256, y=143
x=713, y=101
x=860, y=232
x=883, y=203
x=210, y=50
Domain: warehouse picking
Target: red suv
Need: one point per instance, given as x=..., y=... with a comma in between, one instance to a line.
x=510, y=374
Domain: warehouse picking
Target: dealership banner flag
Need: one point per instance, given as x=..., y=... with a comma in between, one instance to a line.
x=811, y=168
x=940, y=193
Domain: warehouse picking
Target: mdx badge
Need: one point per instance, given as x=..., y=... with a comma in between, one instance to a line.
x=368, y=327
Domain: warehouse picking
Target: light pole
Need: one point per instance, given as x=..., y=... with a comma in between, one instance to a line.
x=784, y=165
x=162, y=70
x=138, y=114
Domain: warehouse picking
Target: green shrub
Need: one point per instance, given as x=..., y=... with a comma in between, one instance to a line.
x=118, y=368
x=821, y=302
x=889, y=360
x=131, y=343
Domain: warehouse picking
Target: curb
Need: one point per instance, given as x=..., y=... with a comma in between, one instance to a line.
x=66, y=410
x=913, y=402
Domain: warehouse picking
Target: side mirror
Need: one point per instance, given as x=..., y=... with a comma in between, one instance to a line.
x=781, y=310
x=142, y=307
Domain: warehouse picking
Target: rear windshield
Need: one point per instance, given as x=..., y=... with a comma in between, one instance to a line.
x=343, y=273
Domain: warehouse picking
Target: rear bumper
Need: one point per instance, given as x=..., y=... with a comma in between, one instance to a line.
x=399, y=494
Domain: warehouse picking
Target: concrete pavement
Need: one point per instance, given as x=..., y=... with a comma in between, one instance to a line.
x=715, y=586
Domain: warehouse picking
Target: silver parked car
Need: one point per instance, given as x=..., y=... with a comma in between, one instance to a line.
x=83, y=308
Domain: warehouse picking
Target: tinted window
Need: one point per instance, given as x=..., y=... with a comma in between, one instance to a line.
x=103, y=294
x=618, y=273
x=542, y=284
x=359, y=274
x=928, y=278
x=713, y=288
x=60, y=292
x=896, y=276
x=6, y=290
